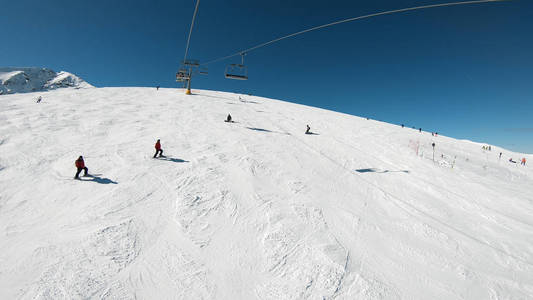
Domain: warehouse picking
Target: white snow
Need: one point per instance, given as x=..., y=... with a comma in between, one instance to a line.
x=24, y=80
x=254, y=209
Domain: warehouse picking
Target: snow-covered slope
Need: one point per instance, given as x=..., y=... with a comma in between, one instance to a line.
x=253, y=209
x=25, y=80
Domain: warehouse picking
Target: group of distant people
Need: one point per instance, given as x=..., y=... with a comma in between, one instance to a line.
x=420, y=130
x=522, y=161
x=487, y=148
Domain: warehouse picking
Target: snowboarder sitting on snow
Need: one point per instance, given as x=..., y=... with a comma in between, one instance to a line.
x=308, y=131
x=511, y=160
x=228, y=119
x=39, y=99
x=80, y=165
x=158, y=149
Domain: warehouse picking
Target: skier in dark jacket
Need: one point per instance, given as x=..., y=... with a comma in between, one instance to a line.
x=228, y=119
x=308, y=131
x=80, y=165
x=158, y=149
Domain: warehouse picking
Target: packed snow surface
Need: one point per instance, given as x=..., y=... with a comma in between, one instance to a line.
x=24, y=80
x=254, y=209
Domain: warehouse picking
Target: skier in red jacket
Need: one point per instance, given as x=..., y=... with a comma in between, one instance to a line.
x=80, y=165
x=158, y=149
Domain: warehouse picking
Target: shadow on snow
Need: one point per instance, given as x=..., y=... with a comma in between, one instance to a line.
x=266, y=130
x=97, y=179
x=374, y=170
x=176, y=160
x=259, y=129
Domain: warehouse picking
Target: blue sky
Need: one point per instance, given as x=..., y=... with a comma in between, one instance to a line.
x=464, y=71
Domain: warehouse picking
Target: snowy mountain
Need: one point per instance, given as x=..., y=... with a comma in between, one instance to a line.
x=254, y=209
x=25, y=80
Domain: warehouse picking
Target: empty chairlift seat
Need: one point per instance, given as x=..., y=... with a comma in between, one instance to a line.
x=237, y=71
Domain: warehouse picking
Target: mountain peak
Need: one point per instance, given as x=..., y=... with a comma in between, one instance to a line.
x=33, y=79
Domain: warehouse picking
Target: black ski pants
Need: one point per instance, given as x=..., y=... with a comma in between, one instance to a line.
x=79, y=171
x=160, y=151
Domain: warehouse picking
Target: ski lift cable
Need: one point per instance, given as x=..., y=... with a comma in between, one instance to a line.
x=350, y=20
x=190, y=31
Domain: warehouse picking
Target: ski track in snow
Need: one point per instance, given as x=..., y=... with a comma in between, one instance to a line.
x=253, y=209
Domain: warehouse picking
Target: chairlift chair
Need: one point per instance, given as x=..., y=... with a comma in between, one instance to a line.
x=237, y=71
x=182, y=75
x=191, y=63
x=202, y=70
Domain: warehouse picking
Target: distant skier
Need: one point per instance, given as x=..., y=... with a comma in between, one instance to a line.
x=157, y=87
x=436, y=133
x=490, y=149
x=419, y=129
x=402, y=125
x=228, y=119
x=39, y=99
x=308, y=130
x=158, y=149
x=432, y=134
x=500, y=155
x=523, y=162
x=80, y=165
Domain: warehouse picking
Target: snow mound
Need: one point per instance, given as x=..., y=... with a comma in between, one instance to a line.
x=27, y=80
x=254, y=209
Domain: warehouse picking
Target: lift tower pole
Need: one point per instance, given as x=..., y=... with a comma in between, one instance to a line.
x=185, y=62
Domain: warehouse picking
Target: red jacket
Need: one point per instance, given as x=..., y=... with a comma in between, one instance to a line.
x=80, y=163
x=157, y=146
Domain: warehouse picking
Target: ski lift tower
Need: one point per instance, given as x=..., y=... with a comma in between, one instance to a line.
x=188, y=68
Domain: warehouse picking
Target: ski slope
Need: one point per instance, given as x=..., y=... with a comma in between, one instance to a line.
x=254, y=209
